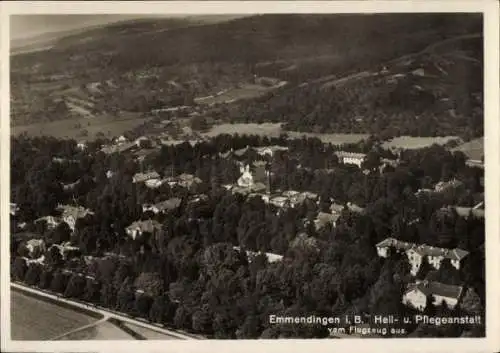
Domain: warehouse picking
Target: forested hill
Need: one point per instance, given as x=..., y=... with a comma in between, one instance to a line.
x=383, y=74
x=329, y=42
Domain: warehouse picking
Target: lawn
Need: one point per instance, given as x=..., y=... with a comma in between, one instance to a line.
x=74, y=128
x=274, y=130
x=408, y=142
x=35, y=319
x=473, y=149
x=102, y=331
x=245, y=91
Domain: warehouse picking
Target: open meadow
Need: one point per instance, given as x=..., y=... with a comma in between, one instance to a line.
x=83, y=128
x=473, y=149
x=35, y=319
x=409, y=142
x=275, y=129
x=102, y=331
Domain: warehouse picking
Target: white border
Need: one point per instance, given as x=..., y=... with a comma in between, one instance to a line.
x=492, y=175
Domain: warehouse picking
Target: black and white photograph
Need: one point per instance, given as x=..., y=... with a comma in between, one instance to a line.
x=248, y=176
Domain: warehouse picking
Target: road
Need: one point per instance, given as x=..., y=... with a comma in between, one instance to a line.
x=107, y=314
x=105, y=318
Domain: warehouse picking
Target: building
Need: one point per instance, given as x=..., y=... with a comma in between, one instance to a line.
x=164, y=206
x=70, y=186
x=270, y=256
x=51, y=221
x=256, y=180
x=466, y=212
x=65, y=249
x=418, y=253
x=269, y=150
x=351, y=157
x=355, y=208
x=34, y=245
x=118, y=148
x=142, y=177
x=417, y=294
x=82, y=145
x=447, y=185
x=138, y=228
x=70, y=214
x=323, y=219
x=153, y=183
x=14, y=208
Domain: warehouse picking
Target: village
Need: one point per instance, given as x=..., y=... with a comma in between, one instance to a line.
x=255, y=181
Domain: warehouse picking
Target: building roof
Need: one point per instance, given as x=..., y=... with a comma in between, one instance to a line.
x=35, y=242
x=350, y=154
x=74, y=211
x=424, y=250
x=354, y=208
x=241, y=151
x=335, y=207
x=169, y=204
x=139, y=177
x=465, y=212
x=436, y=288
x=118, y=148
x=145, y=226
x=324, y=218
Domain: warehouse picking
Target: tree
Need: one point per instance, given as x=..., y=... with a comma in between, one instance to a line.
x=182, y=318
x=32, y=276
x=202, y=320
x=45, y=279
x=471, y=302
x=162, y=310
x=53, y=258
x=19, y=269
x=91, y=292
x=76, y=286
x=250, y=328
x=143, y=305
x=150, y=283
x=59, y=282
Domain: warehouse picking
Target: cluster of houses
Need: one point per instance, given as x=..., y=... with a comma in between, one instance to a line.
x=69, y=214
x=417, y=293
x=153, y=180
x=246, y=151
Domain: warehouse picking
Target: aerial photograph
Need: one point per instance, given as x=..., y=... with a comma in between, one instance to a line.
x=253, y=176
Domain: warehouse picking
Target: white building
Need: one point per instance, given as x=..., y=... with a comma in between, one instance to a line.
x=35, y=245
x=153, y=183
x=142, y=177
x=351, y=157
x=14, y=208
x=72, y=213
x=417, y=293
x=418, y=253
x=270, y=256
x=51, y=221
x=164, y=206
x=138, y=228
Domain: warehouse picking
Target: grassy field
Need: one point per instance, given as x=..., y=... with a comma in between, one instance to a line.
x=274, y=130
x=103, y=331
x=74, y=128
x=34, y=319
x=408, y=142
x=473, y=149
x=246, y=91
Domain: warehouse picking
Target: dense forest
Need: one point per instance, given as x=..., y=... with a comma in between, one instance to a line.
x=191, y=276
